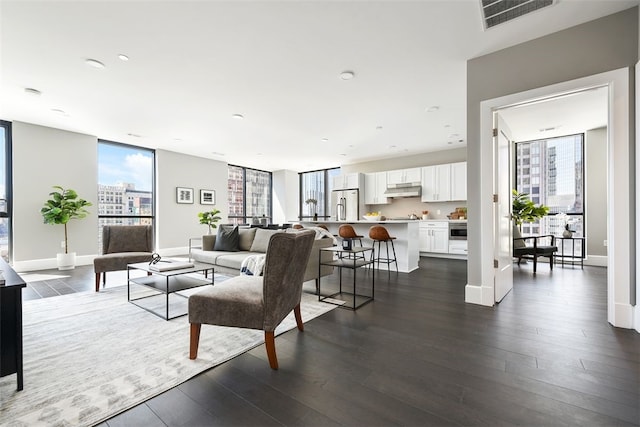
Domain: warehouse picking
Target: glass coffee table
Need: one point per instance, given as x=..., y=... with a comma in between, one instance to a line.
x=168, y=282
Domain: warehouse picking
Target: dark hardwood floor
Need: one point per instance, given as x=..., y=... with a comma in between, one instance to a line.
x=419, y=356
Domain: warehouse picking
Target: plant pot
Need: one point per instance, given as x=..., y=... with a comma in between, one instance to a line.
x=567, y=234
x=66, y=261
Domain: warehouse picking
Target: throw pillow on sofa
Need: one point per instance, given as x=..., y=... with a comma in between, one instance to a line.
x=261, y=241
x=246, y=238
x=228, y=239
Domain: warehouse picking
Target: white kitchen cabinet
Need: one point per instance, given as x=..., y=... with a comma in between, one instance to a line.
x=434, y=236
x=459, y=181
x=375, y=184
x=436, y=183
x=347, y=181
x=404, y=176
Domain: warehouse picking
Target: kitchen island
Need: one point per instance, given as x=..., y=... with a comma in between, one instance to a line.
x=405, y=231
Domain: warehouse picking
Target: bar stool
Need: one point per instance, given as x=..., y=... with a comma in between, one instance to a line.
x=379, y=234
x=346, y=232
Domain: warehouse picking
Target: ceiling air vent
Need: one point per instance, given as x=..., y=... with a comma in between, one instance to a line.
x=500, y=11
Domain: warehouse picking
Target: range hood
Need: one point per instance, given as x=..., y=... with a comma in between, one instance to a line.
x=408, y=189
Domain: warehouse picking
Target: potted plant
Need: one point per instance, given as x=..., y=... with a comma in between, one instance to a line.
x=524, y=210
x=64, y=206
x=209, y=218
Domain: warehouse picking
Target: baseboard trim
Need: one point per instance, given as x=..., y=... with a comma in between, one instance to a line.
x=481, y=295
x=623, y=316
x=636, y=317
x=48, y=263
x=597, y=260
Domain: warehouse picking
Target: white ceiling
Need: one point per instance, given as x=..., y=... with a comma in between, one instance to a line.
x=193, y=65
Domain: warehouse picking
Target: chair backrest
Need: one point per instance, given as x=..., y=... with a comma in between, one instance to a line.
x=284, y=268
x=346, y=231
x=378, y=232
x=127, y=238
x=518, y=243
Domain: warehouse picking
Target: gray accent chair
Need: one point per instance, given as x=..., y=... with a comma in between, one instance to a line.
x=257, y=302
x=537, y=249
x=122, y=245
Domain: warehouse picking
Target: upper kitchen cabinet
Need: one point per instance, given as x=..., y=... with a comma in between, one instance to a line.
x=404, y=176
x=375, y=184
x=436, y=183
x=347, y=181
x=459, y=181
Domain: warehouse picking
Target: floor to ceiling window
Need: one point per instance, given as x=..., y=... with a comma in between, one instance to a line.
x=250, y=196
x=315, y=193
x=5, y=190
x=551, y=171
x=125, y=185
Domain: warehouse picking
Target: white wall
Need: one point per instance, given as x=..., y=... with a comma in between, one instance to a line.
x=44, y=157
x=286, y=196
x=176, y=223
x=596, y=193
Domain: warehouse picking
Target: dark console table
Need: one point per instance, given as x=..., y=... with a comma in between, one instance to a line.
x=11, y=323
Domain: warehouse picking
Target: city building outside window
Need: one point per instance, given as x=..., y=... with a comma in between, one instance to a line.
x=315, y=193
x=250, y=196
x=556, y=180
x=125, y=185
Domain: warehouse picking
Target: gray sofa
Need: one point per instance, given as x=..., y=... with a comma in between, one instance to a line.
x=254, y=241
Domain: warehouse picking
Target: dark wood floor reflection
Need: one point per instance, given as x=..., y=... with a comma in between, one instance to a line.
x=418, y=356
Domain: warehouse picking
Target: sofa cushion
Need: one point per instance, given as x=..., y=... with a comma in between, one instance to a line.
x=233, y=260
x=261, y=241
x=228, y=239
x=246, y=238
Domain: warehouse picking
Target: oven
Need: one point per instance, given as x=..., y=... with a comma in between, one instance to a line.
x=458, y=230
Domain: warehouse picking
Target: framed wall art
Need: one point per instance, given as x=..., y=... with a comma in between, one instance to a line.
x=207, y=197
x=184, y=195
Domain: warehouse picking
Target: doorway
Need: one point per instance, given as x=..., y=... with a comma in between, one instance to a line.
x=619, y=173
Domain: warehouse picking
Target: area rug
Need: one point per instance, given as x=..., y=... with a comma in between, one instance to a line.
x=90, y=356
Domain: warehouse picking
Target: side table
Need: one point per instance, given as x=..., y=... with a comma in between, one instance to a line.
x=347, y=259
x=570, y=257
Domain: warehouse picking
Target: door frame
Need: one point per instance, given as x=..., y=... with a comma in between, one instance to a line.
x=621, y=245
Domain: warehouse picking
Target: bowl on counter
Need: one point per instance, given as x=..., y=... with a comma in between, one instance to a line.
x=371, y=217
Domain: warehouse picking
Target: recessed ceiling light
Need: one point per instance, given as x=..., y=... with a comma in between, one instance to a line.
x=134, y=135
x=217, y=153
x=32, y=91
x=123, y=57
x=450, y=142
x=177, y=139
x=461, y=140
x=238, y=116
x=454, y=136
x=433, y=109
x=343, y=154
x=347, y=75
x=392, y=146
x=378, y=127
x=325, y=139
x=447, y=126
x=94, y=63
x=58, y=111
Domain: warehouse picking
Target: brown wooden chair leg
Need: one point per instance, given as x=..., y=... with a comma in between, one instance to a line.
x=194, y=340
x=270, y=343
x=296, y=312
x=97, y=282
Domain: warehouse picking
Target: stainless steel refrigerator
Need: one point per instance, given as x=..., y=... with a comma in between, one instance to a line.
x=345, y=205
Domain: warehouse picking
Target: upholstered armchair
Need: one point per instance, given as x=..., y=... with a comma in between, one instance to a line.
x=257, y=302
x=122, y=245
x=540, y=246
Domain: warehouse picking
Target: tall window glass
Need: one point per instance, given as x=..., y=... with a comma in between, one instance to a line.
x=315, y=193
x=5, y=190
x=551, y=171
x=250, y=196
x=125, y=185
